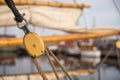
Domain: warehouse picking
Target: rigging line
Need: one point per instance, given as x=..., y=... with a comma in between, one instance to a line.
x=51, y=53
x=105, y=58
x=77, y=22
x=116, y=6
x=52, y=65
x=85, y=20
x=75, y=1
x=39, y=68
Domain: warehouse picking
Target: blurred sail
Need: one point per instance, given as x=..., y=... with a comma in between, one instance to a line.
x=43, y=16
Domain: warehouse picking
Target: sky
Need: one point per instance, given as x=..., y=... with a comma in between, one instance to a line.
x=102, y=13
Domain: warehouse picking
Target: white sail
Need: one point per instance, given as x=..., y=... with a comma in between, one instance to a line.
x=49, y=17
x=43, y=16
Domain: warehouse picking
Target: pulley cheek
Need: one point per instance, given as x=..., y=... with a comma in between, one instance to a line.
x=33, y=44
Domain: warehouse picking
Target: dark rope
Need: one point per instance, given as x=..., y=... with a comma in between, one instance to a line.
x=11, y=5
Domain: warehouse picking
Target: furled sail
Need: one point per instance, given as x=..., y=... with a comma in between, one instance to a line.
x=61, y=18
x=43, y=16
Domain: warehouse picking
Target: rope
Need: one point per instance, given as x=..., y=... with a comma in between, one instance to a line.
x=11, y=5
x=51, y=53
x=116, y=6
x=39, y=69
x=52, y=65
x=85, y=21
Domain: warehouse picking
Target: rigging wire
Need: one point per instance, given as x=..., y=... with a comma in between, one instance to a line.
x=77, y=22
x=105, y=58
x=84, y=16
x=114, y=2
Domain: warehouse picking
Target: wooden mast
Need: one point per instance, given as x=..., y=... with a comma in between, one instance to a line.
x=52, y=4
x=48, y=39
x=50, y=75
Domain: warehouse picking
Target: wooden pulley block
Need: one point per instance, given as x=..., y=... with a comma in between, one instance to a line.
x=33, y=44
x=118, y=44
